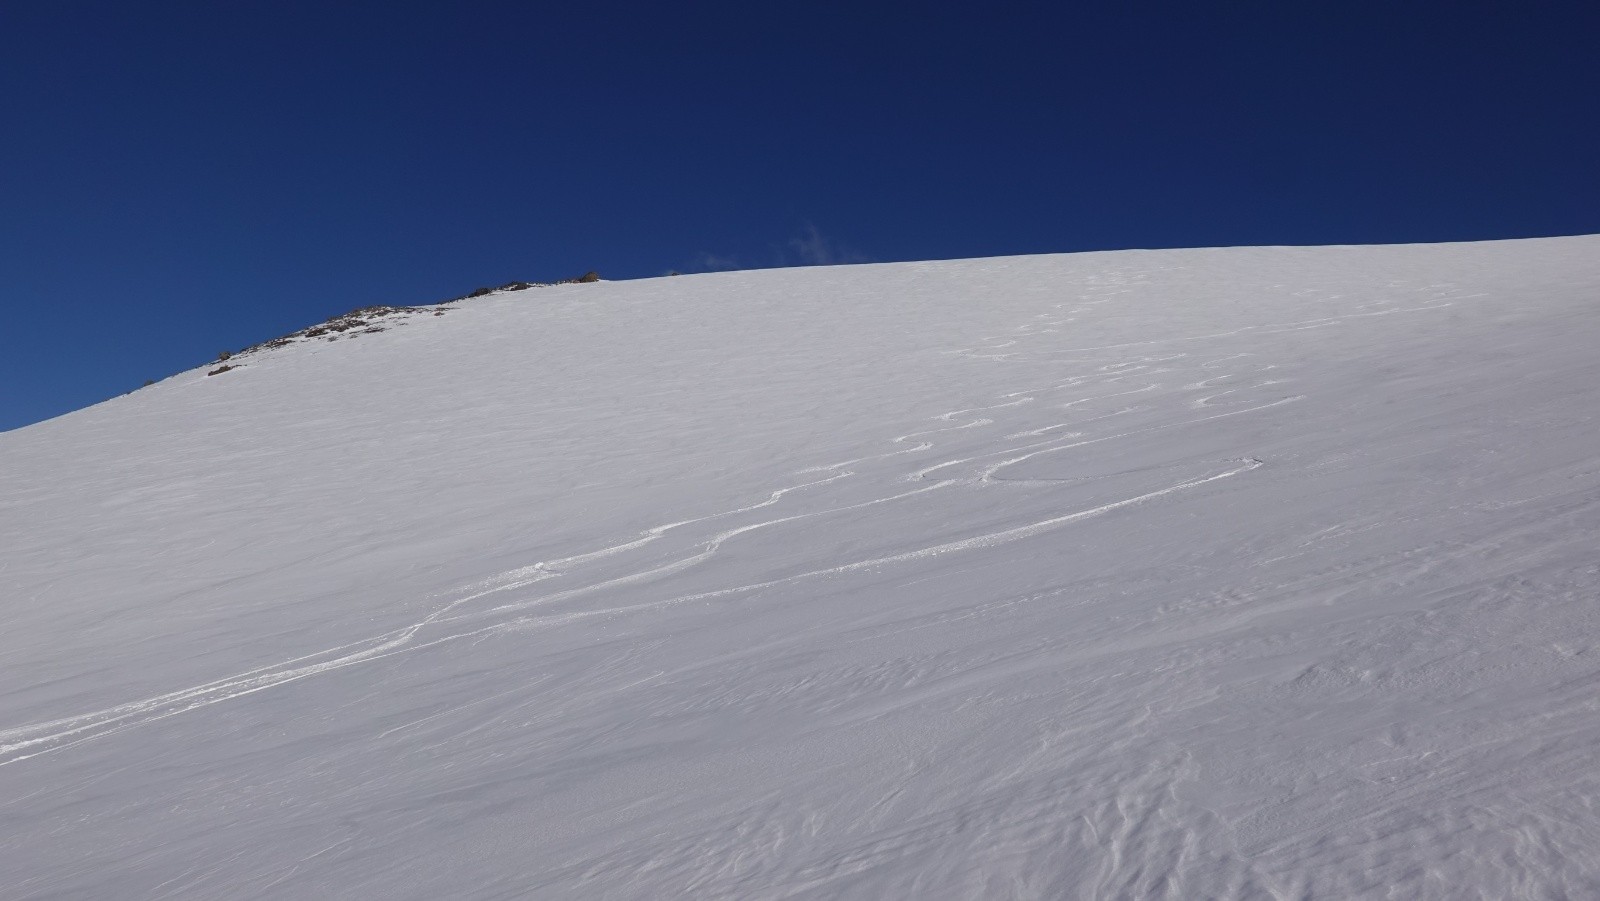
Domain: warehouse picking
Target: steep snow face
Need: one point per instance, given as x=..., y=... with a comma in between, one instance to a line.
x=1214, y=573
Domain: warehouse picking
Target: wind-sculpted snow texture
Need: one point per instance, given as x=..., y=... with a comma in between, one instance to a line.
x=1245, y=573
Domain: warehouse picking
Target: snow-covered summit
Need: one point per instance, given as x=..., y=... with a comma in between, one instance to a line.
x=1252, y=572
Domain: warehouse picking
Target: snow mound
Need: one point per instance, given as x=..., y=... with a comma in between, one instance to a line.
x=1252, y=572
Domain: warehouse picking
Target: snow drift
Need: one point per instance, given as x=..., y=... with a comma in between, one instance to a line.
x=1258, y=572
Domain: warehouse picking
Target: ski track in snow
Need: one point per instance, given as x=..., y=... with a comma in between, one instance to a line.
x=25, y=742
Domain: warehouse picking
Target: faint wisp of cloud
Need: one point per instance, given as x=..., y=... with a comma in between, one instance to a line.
x=810, y=248
x=813, y=248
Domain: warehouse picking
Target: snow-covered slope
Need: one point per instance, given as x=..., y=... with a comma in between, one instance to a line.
x=1211, y=573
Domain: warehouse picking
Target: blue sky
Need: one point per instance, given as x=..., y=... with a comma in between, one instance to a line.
x=188, y=177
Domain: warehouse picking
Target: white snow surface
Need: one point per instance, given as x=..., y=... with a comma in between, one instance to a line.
x=1233, y=573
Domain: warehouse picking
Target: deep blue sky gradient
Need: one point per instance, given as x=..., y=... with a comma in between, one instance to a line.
x=182, y=178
